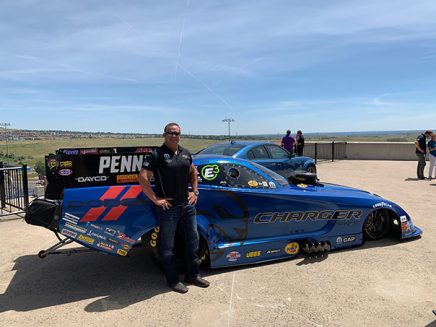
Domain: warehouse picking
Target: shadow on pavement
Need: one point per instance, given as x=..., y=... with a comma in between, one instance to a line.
x=60, y=279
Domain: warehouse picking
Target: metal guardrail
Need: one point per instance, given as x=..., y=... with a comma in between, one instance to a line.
x=326, y=150
x=14, y=190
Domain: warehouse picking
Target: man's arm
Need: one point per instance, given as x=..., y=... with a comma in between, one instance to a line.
x=144, y=181
x=192, y=197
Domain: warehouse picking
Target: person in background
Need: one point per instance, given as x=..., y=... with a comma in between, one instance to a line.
x=420, y=145
x=173, y=170
x=432, y=156
x=299, y=145
x=288, y=142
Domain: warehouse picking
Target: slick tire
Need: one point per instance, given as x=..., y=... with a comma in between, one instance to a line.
x=377, y=225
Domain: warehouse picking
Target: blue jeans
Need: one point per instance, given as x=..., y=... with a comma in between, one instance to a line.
x=184, y=216
x=421, y=165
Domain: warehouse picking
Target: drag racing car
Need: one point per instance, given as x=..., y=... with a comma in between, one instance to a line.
x=266, y=154
x=246, y=213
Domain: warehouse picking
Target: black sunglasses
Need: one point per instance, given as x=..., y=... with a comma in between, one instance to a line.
x=173, y=133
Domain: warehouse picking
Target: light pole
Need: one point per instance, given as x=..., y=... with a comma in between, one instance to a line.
x=5, y=125
x=228, y=121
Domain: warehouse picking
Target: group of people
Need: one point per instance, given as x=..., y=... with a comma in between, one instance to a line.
x=422, y=146
x=293, y=145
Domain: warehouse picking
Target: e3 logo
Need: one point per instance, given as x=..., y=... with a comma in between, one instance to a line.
x=210, y=172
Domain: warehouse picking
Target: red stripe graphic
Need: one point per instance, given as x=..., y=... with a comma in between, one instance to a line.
x=94, y=213
x=116, y=212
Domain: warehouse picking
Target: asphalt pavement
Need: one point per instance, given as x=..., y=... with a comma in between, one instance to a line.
x=382, y=283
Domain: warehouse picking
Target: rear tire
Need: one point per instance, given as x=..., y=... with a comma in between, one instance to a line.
x=151, y=242
x=376, y=225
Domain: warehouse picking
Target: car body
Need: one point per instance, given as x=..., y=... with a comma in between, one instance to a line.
x=266, y=154
x=246, y=213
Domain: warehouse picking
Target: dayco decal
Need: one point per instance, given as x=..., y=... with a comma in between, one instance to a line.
x=108, y=203
x=283, y=217
x=89, y=179
x=121, y=164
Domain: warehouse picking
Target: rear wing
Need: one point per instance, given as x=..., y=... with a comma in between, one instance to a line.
x=85, y=167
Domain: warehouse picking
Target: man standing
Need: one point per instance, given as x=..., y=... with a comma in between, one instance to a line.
x=173, y=170
x=288, y=142
x=420, y=145
x=299, y=138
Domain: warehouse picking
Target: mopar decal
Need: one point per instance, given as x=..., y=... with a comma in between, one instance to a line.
x=345, y=239
x=210, y=172
x=108, y=203
x=120, y=164
x=272, y=217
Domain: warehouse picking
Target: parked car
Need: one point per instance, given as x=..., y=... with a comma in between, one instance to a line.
x=246, y=213
x=266, y=154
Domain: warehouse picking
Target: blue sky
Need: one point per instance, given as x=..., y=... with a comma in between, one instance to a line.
x=133, y=66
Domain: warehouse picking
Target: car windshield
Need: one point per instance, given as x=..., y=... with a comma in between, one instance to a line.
x=276, y=177
x=222, y=149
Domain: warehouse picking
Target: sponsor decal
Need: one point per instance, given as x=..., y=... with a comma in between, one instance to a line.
x=233, y=256
x=210, y=172
x=403, y=219
x=292, y=248
x=382, y=204
x=120, y=164
x=272, y=185
x=273, y=251
x=131, y=178
x=126, y=246
x=96, y=235
x=108, y=203
x=76, y=228
x=71, y=218
x=94, y=226
x=345, y=239
x=65, y=172
x=89, y=151
x=104, y=151
x=110, y=231
x=68, y=233
x=105, y=246
x=122, y=252
x=167, y=157
x=264, y=183
x=125, y=238
x=283, y=217
x=71, y=151
x=301, y=185
x=143, y=150
x=112, y=240
x=253, y=183
x=66, y=164
x=253, y=254
x=86, y=239
x=90, y=179
x=52, y=163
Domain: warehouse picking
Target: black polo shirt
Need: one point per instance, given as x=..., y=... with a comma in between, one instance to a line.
x=422, y=143
x=171, y=172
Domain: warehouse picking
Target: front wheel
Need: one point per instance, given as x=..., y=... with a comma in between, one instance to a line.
x=376, y=225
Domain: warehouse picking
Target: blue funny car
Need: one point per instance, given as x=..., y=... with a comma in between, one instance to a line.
x=246, y=212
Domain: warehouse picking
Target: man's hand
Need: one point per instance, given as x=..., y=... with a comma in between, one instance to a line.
x=164, y=203
x=192, y=198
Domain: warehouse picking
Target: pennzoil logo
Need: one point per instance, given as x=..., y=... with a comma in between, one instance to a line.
x=292, y=248
x=130, y=178
x=122, y=252
x=86, y=239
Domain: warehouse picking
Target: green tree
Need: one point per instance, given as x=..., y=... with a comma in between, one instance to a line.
x=40, y=168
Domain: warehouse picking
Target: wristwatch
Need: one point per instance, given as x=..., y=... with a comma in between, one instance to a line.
x=197, y=193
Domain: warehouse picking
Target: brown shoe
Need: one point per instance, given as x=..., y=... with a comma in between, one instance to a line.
x=197, y=281
x=178, y=287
